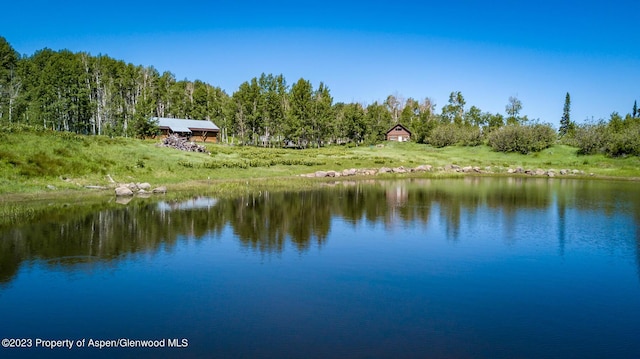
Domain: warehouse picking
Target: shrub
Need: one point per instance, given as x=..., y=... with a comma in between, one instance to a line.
x=522, y=139
x=444, y=135
x=470, y=136
x=544, y=136
x=590, y=138
x=452, y=134
x=624, y=143
x=603, y=138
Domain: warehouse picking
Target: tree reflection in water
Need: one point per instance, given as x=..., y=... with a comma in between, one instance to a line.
x=269, y=221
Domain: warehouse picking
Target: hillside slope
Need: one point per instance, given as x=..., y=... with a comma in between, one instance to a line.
x=31, y=160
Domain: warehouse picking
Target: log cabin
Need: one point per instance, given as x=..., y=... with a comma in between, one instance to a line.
x=398, y=133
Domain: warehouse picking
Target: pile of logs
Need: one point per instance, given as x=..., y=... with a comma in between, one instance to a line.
x=181, y=143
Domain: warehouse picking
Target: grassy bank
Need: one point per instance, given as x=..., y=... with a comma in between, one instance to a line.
x=31, y=161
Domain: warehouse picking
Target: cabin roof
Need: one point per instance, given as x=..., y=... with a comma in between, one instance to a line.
x=185, y=125
x=396, y=125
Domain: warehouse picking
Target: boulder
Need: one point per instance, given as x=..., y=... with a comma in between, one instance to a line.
x=423, y=168
x=467, y=169
x=161, y=189
x=367, y=172
x=51, y=187
x=349, y=172
x=400, y=169
x=143, y=186
x=321, y=174
x=123, y=192
x=385, y=170
x=331, y=174
x=540, y=172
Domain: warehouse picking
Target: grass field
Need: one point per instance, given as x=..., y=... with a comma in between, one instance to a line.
x=30, y=161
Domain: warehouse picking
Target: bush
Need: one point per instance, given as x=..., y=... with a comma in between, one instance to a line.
x=444, y=135
x=451, y=134
x=522, y=139
x=609, y=140
x=471, y=136
x=624, y=143
x=590, y=138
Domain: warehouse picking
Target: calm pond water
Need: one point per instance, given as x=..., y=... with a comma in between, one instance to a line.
x=464, y=268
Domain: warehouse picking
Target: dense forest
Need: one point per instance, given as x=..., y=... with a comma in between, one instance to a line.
x=99, y=95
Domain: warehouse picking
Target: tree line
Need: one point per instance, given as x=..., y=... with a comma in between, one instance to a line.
x=95, y=95
x=99, y=95
x=616, y=137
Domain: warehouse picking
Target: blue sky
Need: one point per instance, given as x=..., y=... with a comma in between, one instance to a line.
x=364, y=52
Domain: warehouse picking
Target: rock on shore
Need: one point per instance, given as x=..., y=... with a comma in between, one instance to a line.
x=129, y=189
x=447, y=168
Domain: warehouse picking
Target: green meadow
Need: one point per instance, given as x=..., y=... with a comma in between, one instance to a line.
x=38, y=162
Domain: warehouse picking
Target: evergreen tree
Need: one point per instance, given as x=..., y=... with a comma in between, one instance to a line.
x=566, y=126
x=635, y=109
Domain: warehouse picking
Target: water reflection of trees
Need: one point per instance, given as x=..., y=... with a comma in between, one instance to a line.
x=269, y=221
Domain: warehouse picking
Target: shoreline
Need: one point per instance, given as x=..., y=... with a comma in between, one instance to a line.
x=20, y=207
x=234, y=186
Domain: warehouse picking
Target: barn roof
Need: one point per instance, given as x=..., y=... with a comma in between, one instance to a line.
x=184, y=125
